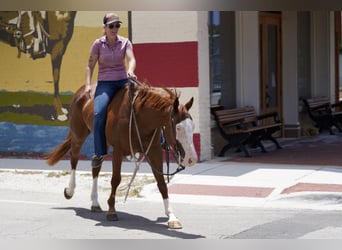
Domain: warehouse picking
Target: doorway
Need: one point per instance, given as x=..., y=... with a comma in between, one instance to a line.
x=270, y=62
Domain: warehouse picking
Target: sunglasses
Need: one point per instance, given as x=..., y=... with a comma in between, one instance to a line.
x=117, y=25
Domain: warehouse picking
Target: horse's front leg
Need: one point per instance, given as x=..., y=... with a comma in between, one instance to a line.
x=173, y=222
x=95, y=205
x=157, y=169
x=116, y=179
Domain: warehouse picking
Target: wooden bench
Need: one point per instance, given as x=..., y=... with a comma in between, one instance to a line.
x=242, y=126
x=323, y=113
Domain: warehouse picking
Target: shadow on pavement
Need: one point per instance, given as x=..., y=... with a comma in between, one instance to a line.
x=132, y=222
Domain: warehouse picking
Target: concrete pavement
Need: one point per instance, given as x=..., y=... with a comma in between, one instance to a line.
x=257, y=185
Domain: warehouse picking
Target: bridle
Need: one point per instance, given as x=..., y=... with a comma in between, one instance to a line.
x=177, y=154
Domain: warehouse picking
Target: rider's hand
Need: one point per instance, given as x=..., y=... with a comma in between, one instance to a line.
x=87, y=89
x=131, y=75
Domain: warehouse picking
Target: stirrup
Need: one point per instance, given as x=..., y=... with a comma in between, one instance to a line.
x=97, y=160
x=165, y=146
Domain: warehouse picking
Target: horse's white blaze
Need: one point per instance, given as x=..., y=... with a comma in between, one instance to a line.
x=184, y=134
x=94, y=196
x=70, y=190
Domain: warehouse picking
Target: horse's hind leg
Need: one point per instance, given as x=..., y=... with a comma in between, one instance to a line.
x=77, y=140
x=75, y=152
x=70, y=190
x=74, y=156
x=157, y=169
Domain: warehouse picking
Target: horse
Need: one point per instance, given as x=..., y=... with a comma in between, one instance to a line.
x=56, y=29
x=137, y=117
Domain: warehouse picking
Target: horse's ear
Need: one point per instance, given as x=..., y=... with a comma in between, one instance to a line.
x=188, y=105
x=175, y=105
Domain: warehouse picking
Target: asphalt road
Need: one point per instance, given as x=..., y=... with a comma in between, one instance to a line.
x=47, y=215
x=32, y=206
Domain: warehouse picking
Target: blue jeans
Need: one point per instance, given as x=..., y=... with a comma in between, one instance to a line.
x=104, y=93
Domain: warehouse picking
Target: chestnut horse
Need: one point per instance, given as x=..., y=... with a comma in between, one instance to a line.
x=136, y=116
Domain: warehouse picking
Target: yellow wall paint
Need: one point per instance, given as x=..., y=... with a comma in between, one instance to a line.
x=94, y=18
x=26, y=74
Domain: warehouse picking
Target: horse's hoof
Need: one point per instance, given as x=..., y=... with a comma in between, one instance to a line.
x=66, y=195
x=96, y=209
x=174, y=225
x=112, y=217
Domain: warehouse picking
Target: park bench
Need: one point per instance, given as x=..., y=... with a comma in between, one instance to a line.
x=242, y=126
x=324, y=114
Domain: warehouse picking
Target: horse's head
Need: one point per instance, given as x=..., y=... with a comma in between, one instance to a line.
x=179, y=126
x=184, y=127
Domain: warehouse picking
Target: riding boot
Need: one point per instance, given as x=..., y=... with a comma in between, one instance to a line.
x=97, y=160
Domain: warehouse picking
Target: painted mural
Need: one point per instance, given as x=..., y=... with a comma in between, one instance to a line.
x=36, y=34
x=43, y=60
x=44, y=55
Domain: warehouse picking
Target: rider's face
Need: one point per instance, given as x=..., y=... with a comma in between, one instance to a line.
x=112, y=29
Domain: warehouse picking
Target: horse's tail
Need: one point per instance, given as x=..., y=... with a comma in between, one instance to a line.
x=60, y=151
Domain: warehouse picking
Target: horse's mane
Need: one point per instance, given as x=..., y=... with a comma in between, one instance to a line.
x=155, y=98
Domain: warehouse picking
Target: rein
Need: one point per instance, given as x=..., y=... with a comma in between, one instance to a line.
x=166, y=145
x=176, y=156
x=133, y=119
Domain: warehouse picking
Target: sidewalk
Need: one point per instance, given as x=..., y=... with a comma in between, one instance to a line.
x=306, y=173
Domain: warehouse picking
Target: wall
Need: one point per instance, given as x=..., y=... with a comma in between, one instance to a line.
x=170, y=47
x=26, y=74
x=169, y=50
x=29, y=122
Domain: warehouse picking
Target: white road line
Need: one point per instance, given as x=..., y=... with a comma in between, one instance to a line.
x=30, y=202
